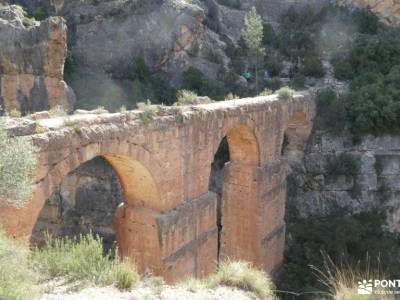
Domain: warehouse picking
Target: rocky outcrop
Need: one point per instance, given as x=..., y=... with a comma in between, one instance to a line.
x=32, y=62
x=387, y=10
x=338, y=173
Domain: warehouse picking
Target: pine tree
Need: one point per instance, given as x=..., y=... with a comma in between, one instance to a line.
x=253, y=36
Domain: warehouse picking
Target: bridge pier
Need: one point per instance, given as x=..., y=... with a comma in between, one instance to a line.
x=172, y=244
x=253, y=206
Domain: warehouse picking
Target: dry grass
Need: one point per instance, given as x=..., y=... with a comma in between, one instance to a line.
x=285, y=93
x=149, y=110
x=185, y=97
x=236, y=274
x=342, y=280
x=82, y=259
x=17, y=280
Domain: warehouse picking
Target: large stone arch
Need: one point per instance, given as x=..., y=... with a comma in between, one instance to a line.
x=137, y=233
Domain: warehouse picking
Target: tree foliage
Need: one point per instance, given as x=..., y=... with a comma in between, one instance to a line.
x=252, y=34
x=17, y=164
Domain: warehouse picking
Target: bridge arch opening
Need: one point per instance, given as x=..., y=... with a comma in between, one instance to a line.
x=231, y=179
x=295, y=136
x=104, y=196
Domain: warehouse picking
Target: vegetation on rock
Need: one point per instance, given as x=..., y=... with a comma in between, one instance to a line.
x=352, y=241
x=17, y=164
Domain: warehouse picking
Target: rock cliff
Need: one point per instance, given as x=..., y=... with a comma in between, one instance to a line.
x=32, y=62
x=387, y=10
x=339, y=173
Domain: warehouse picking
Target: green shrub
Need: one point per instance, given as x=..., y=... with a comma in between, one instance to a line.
x=185, y=97
x=163, y=92
x=273, y=84
x=344, y=164
x=375, y=53
x=274, y=65
x=331, y=113
x=367, y=22
x=231, y=96
x=100, y=110
x=17, y=165
x=266, y=92
x=214, y=57
x=231, y=3
x=15, y=113
x=373, y=105
x=149, y=110
x=285, y=93
x=344, y=237
x=57, y=111
x=298, y=81
x=17, y=280
x=343, y=69
x=298, y=33
x=82, y=259
x=243, y=275
x=41, y=14
x=140, y=70
x=269, y=35
x=195, y=80
x=312, y=66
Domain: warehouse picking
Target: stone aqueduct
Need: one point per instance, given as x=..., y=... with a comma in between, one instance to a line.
x=167, y=223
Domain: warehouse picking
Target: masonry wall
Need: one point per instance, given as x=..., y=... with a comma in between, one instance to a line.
x=168, y=221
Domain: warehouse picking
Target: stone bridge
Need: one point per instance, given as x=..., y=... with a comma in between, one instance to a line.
x=168, y=221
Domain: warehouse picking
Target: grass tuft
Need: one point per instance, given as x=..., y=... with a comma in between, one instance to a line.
x=245, y=276
x=236, y=274
x=185, y=97
x=57, y=111
x=17, y=280
x=149, y=110
x=285, y=93
x=82, y=259
x=341, y=280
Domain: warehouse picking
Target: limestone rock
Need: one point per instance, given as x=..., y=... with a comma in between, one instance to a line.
x=32, y=63
x=313, y=189
x=387, y=10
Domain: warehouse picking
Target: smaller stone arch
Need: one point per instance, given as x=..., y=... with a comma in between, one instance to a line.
x=136, y=219
x=140, y=188
x=238, y=195
x=243, y=145
x=295, y=135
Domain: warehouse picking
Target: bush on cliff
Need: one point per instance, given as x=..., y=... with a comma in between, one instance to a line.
x=17, y=165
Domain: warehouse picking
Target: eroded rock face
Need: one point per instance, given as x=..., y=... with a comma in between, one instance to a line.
x=387, y=10
x=338, y=173
x=32, y=63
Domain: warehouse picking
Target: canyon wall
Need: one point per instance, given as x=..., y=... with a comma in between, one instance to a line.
x=32, y=62
x=387, y=10
x=339, y=173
